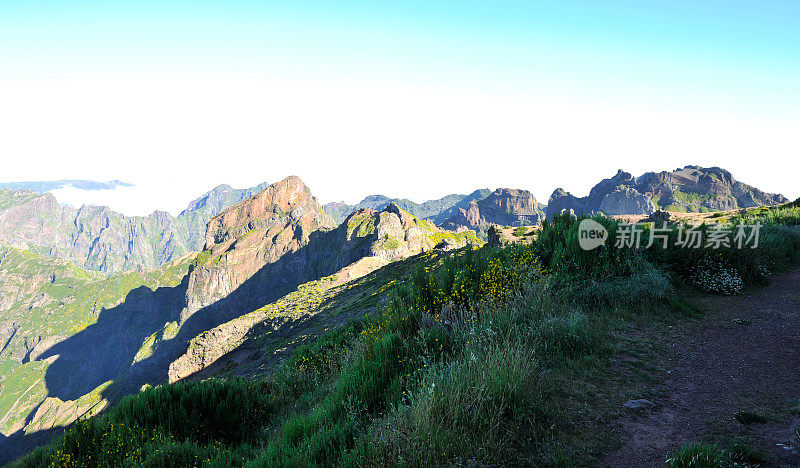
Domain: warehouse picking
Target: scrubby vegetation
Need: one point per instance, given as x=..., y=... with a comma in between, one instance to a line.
x=174, y=425
x=786, y=215
x=467, y=235
x=488, y=356
x=521, y=231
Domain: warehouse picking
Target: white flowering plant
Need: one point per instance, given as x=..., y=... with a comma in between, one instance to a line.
x=716, y=278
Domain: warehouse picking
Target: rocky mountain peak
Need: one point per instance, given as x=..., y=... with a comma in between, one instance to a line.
x=246, y=237
x=406, y=220
x=438, y=210
x=393, y=233
x=98, y=238
x=504, y=206
x=217, y=199
x=207, y=198
x=511, y=201
x=265, y=246
x=375, y=199
x=286, y=202
x=691, y=188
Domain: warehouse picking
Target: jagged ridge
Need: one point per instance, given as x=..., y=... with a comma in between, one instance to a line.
x=97, y=238
x=687, y=189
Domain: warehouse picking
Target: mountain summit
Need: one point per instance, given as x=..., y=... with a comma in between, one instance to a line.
x=251, y=234
x=687, y=189
x=504, y=206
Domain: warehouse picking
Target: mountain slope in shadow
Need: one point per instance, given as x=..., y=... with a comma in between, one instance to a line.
x=107, y=358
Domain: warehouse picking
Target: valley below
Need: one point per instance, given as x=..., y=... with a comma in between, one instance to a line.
x=365, y=333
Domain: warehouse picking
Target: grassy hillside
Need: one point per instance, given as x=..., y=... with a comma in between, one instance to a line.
x=43, y=301
x=786, y=215
x=478, y=357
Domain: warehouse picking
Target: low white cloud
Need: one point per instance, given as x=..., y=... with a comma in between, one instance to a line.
x=132, y=201
x=176, y=138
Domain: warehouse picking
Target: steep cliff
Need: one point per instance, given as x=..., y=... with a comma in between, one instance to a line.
x=242, y=240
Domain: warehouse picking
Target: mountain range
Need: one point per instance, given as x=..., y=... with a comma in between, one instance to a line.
x=437, y=211
x=95, y=305
x=687, y=189
x=97, y=238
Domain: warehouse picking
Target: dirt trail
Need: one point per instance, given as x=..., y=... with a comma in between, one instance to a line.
x=742, y=355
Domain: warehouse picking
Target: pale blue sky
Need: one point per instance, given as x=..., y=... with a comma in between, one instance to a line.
x=413, y=98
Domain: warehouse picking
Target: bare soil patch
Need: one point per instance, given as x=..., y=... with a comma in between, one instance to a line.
x=743, y=355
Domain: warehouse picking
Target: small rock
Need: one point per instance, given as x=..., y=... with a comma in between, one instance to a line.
x=638, y=404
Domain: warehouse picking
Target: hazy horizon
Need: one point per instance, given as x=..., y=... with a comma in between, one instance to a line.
x=412, y=99
x=123, y=195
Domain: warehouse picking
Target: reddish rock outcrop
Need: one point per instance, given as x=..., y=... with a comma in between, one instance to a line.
x=252, y=234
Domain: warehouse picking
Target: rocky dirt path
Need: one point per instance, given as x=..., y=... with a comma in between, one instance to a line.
x=742, y=355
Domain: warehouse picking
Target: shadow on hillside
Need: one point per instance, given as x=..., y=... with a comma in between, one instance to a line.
x=105, y=350
x=19, y=443
x=270, y=340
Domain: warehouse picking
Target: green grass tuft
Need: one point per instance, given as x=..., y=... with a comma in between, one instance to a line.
x=697, y=455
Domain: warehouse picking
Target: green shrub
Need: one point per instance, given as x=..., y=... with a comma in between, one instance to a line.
x=172, y=425
x=558, y=249
x=211, y=410
x=696, y=455
x=786, y=215
x=466, y=280
x=320, y=359
x=464, y=236
x=520, y=231
x=568, y=334
x=778, y=249
x=646, y=284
